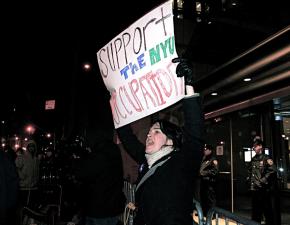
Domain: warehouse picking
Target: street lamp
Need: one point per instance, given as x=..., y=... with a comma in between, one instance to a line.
x=30, y=129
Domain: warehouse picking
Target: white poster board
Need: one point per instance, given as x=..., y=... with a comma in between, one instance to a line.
x=137, y=70
x=219, y=150
x=49, y=104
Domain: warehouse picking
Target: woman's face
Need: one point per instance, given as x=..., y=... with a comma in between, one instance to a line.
x=156, y=139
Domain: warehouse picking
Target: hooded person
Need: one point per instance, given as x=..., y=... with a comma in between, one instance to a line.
x=101, y=177
x=31, y=147
x=27, y=165
x=164, y=193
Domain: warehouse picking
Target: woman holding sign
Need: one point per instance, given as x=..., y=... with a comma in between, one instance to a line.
x=171, y=162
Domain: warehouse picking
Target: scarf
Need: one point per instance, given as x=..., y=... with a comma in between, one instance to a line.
x=152, y=158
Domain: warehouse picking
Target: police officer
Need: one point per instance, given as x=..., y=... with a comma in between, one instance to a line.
x=208, y=173
x=261, y=177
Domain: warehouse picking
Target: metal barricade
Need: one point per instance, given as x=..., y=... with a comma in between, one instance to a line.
x=129, y=191
x=220, y=216
x=215, y=216
x=198, y=209
x=44, y=207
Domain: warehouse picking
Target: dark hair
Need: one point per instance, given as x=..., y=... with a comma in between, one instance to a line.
x=258, y=142
x=98, y=136
x=172, y=131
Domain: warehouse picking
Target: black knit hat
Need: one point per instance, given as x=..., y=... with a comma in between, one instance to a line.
x=172, y=131
x=208, y=146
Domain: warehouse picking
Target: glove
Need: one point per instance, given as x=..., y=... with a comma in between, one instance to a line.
x=257, y=184
x=184, y=68
x=263, y=180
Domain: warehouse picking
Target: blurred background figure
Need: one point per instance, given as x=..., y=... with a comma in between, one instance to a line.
x=208, y=173
x=50, y=167
x=10, y=153
x=101, y=178
x=27, y=164
x=8, y=190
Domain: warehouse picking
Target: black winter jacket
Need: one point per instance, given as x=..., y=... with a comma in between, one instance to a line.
x=101, y=177
x=209, y=169
x=261, y=173
x=9, y=182
x=165, y=197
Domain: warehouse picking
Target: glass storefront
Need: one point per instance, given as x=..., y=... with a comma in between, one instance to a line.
x=233, y=135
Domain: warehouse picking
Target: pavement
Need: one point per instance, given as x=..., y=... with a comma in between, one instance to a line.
x=243, y=206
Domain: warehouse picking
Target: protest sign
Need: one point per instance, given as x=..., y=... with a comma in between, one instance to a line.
x=137, y=70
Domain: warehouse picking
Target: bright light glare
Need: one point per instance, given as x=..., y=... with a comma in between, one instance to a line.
x=30, y=129
x=87, y=66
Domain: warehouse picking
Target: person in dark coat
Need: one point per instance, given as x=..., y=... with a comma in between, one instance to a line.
x=261, y=177
x=101, y=177
x=208, y=173
x=170, y=163
x=8, y=190
x=10, y=153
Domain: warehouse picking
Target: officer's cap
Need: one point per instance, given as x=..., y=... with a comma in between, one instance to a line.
x=208, y=146
x=258, y=142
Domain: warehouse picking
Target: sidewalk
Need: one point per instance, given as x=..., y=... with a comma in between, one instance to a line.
x=243, y=207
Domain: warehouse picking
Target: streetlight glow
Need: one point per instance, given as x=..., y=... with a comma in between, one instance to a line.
x=87, y=66
x=30, y=129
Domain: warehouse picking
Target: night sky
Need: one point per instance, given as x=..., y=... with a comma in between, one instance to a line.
x=42, y=42
x=43, y=47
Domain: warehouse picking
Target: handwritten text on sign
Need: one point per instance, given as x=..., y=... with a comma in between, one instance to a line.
x=137, y=70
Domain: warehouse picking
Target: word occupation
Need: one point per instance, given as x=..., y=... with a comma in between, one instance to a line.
x=137, y=70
